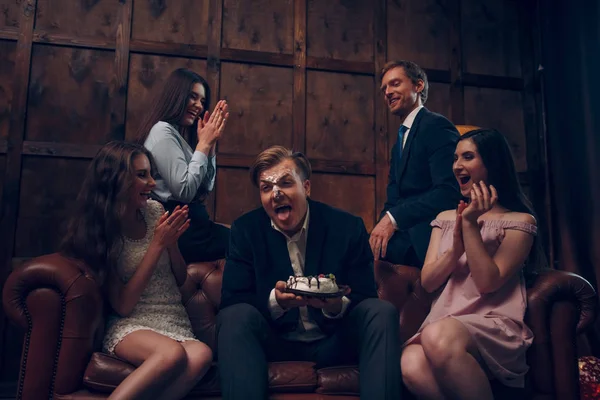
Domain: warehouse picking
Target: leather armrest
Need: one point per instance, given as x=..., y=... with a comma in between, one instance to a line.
x=58, y=303
x=560, y=305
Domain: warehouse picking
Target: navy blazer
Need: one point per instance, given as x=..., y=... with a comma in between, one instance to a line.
x=257, y=258
x=422, y=184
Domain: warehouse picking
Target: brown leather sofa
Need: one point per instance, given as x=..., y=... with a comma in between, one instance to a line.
x=60, y=307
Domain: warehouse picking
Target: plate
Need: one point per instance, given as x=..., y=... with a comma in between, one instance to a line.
x=344, y=290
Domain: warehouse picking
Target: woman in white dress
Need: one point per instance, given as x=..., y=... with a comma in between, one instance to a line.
x=131, y=242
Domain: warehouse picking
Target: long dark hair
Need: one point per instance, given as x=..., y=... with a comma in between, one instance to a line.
x=172, y=102
x=494, y=150
x=94, y=229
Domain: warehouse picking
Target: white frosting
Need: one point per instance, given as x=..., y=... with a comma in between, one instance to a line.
x=314, y=285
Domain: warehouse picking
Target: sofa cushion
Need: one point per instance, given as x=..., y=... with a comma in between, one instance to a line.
x=338, y=380
x=105, y=372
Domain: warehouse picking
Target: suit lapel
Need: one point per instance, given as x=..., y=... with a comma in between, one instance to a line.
x=315, y=240
x=414, y=130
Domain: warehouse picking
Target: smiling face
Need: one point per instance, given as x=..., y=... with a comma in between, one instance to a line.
x=283, y=194
x=195, y=104
x=143, y=183
x=401, y=94
x=468, y=166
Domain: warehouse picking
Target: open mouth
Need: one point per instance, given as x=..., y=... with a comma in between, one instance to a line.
x=145, y=194
x=392, y=102
x=283, y=212
x=464, y=179
x=193, y=114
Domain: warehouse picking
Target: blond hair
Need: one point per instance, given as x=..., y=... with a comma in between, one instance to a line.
x=275, y=155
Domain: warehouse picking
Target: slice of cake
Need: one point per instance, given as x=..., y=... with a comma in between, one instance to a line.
x=314, y=284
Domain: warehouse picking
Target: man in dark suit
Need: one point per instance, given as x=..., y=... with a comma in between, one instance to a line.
x=421, y=182
x=291, y=235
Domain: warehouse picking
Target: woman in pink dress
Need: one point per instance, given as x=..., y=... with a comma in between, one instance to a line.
x=477, y=258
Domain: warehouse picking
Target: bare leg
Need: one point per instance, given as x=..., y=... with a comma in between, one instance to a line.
x=199, y=357
x=417, y=374
x=452, y=353
x=159, y=360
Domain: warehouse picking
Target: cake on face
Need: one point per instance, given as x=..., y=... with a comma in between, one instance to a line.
x=314, y=284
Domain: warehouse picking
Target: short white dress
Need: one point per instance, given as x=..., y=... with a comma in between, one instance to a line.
x=160, y=308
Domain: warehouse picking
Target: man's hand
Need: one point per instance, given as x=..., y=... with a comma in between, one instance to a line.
x=288, y=300
x=380, y=236
x=330, y=306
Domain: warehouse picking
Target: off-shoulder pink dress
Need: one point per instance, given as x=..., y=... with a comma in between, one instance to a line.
x=495, y=320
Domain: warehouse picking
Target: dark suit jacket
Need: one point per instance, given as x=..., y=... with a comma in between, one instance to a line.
x=337, y=243
x=422, y=184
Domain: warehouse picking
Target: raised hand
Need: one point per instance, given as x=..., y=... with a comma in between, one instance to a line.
x=458, y=246
x=288, y=300
x=210, y=128
x=482, y=200
x=170, y=227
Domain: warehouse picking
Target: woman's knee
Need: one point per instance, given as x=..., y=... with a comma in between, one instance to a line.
x=444, y=340
x=413, y=365
x=171, y=358
x=199, y=358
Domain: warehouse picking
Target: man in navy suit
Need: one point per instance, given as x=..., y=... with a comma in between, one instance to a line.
x=292, y=235
x=421, y=183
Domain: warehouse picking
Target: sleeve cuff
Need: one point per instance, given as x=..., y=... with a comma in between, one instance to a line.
x=200, y=158
x=274, y=308
x=389, y=214
x=345, y=304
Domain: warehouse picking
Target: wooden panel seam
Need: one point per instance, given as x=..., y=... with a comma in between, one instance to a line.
x=8, y=35
x=119, y=85
x=10, y=198
x=457, y=90
x=213, y=68
x=299, y=96
x=382, y=161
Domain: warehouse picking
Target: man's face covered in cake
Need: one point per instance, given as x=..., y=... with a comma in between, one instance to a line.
x=283, y=194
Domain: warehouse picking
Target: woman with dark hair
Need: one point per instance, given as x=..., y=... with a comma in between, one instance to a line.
x=478, y=257
x=185, y=176
x=131, y=244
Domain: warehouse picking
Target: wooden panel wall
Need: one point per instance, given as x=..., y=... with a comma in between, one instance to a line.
x=302, y=73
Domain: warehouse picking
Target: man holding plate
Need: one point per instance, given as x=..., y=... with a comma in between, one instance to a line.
x=261, y=321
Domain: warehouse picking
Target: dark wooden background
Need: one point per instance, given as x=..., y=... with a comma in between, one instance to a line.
x=301, y=73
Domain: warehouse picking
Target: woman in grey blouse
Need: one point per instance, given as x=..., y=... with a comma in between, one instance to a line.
x=185, y=175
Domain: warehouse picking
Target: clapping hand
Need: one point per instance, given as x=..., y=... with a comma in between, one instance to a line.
x=458, y=246
x=211, y=126
x=482, y=200
x=171, y=226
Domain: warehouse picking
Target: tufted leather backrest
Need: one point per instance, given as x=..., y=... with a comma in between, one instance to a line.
x=401, y=286
x=201, y=295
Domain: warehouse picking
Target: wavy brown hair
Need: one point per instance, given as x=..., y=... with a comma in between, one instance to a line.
x=172, y=102
x=94, y=230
